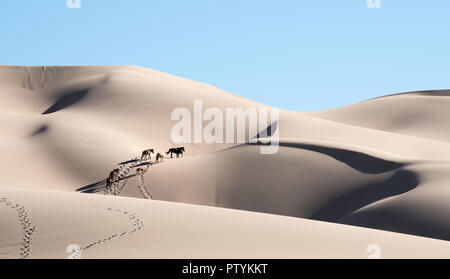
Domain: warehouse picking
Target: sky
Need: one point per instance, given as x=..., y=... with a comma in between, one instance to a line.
x=292, y=54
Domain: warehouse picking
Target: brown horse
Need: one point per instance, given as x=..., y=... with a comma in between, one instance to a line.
x=159, y=158
x=114, y=174
x=139, y=171
x=147, y=153
x=109, y=182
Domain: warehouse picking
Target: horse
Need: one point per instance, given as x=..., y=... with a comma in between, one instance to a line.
x=177, y=151
x=159, y=158
x=139, y=171
x=114, y=174
x=147, y=153
x=109, y=182
x=180, y=151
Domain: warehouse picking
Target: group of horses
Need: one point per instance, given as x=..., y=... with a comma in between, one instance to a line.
x=146, y=155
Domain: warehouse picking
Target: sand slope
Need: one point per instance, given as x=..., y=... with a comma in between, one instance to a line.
x=172, y=230
x=64, y=128
x=418, y=114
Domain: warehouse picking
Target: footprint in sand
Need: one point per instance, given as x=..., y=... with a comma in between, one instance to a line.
x=137, y=224
x=28, y=228
x=117, y=188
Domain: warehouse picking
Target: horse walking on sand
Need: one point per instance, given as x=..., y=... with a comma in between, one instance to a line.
x=109, y=183
x=139, y=171
x=114, y=174
x=177, y=151
x=147, y=154
x=159, y=158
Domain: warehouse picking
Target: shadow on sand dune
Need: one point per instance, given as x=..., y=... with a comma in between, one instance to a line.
x=356, y=160
x=129, y=162
x=401, y=182
x=67, y=100
x=397, y=219
x=143, y=164
x=345, y=208
x=268, y=132
x=100, y=185
x=40, y=130
x=93, y=188
x=345, y=204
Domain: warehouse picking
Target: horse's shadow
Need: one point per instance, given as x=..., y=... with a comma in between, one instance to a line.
x=100, y=185
x=129, y=162
x=93, y=188
x=144, y=164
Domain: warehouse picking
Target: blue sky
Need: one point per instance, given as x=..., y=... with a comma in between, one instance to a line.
x=292, y=54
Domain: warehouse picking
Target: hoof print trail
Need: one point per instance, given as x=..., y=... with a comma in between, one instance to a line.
x=28, y=228
x=114, y=187
x=138, y=224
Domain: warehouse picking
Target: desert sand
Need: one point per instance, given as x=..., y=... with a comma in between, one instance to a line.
x=344, y=179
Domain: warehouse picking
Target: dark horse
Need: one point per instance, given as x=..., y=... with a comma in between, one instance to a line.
x=147, y=154
x=109, y=182
x=159, y=158
x=178, y=151
x=114, y=174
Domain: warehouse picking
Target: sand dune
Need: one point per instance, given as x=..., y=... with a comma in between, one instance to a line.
x=64, y=128
x=418, y=114
x=173, y=230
